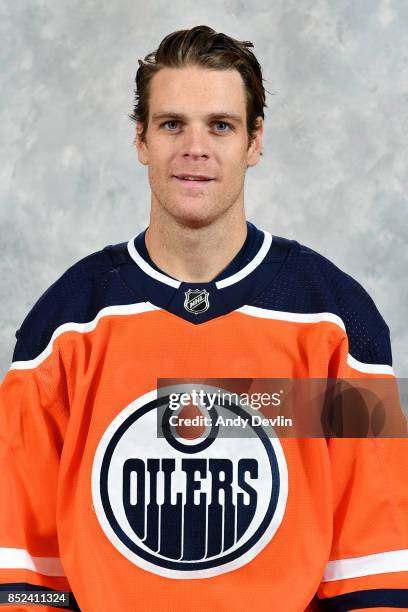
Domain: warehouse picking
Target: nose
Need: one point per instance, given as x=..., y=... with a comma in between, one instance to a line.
x=195, y=142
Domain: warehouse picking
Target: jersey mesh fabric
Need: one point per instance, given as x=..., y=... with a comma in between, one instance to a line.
x=310, y=283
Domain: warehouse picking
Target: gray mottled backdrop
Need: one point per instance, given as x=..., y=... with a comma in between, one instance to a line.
x=334, y=171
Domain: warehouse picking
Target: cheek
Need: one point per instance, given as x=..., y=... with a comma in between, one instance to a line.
x=158, y=168
x=235, y=169
x=161, y=162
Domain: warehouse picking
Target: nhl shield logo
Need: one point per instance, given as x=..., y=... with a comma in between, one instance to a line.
x=196, y=301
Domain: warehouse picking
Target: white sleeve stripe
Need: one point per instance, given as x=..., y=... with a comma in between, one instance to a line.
x=319, y=317
x=380, y=563
x=18, y=558
x=292, y=317
x=140, y=307
x=370, y=368
x=125, y=309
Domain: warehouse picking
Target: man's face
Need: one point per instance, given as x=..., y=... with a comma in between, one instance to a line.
x=189, y=132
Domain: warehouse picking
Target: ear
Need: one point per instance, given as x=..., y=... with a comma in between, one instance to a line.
x=255, y=149
x=142, y=152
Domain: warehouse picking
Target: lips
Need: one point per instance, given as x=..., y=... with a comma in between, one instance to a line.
x=194, y=177
x=194, y=182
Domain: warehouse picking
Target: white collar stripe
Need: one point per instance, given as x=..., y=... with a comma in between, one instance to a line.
x=226, y=282
x=234, y=278
x=148, y=269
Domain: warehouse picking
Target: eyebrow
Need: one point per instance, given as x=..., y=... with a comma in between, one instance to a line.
x=211, y=116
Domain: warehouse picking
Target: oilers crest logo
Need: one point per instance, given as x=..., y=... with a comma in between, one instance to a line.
x=187, y=506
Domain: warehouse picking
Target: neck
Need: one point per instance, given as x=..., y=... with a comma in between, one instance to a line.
x=195, y=254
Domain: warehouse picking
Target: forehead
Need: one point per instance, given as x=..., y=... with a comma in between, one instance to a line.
x=197, y=91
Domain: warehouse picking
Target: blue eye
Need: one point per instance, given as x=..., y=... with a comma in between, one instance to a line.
x=166, y=123
x=225, y=123
x=171, y=121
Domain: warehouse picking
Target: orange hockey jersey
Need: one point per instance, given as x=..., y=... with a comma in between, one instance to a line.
x=95, y=503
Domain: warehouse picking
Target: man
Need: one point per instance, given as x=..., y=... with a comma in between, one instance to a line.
x=94, y=501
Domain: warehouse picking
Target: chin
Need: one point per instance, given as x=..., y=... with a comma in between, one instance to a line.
x=194, y=218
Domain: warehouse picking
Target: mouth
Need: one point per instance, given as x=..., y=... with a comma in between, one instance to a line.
x=191, y=183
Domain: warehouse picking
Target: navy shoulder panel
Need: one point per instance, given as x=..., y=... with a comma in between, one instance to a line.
x=89, y=285
x=311, y=283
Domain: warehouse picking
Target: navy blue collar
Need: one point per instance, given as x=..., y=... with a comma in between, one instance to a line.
x=247, y=274
x=247, y=252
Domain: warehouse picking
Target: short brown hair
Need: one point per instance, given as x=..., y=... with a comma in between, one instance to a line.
x=201, y=46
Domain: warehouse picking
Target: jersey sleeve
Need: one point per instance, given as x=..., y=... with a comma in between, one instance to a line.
x=368, y=564
x=33, y=421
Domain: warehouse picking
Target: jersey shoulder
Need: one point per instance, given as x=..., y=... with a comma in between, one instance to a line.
x=309, y=282
x=86, y=287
